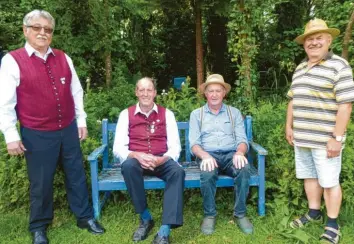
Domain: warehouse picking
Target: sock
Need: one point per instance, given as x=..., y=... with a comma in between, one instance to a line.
x=164, y=230
x=146, y=216
x=314, y=213
x=332, y=223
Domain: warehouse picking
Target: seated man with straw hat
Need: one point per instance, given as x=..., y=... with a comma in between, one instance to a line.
x=321, y=96
x=218, y=140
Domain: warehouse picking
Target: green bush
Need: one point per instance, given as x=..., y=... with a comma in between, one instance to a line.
x=283, y=189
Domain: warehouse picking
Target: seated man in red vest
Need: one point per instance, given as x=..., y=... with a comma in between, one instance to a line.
x=147, y=143
x=40, y=88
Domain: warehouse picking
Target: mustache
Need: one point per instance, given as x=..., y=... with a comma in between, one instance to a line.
x=42, y=37
x=315, y=45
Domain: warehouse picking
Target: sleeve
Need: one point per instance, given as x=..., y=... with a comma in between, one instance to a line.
x=290, y=93
x=9, y=80
x=194, y=129
x=344, y=86
x=78, y=95
x=121, y=138
x=173, y=142
x=239, y=129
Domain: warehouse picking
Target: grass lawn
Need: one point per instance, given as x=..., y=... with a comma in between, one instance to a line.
x=120, y=221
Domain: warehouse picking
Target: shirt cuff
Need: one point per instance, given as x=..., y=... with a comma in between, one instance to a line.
x=81, y=122
x=12, y=135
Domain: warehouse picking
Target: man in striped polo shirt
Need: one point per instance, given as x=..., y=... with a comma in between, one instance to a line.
x=321, y=94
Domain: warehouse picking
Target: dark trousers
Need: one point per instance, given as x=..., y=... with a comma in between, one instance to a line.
x=45, y=149
x=241, y=187
x=172, y=174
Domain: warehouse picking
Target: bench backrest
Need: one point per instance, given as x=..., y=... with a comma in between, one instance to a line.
x=108, y=129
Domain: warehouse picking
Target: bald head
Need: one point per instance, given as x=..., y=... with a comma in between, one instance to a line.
x=145, y=81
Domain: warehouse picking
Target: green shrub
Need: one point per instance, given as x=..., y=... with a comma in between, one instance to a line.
x=283, y=189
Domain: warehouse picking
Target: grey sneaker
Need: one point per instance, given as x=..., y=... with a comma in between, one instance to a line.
x=208, y=225
x=245, y=225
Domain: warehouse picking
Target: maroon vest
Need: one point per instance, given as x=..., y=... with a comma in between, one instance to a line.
x=148, y=135
x=44, y=98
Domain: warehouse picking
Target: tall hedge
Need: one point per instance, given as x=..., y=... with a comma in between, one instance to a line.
x=269, y=120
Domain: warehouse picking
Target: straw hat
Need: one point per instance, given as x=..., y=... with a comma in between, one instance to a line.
x=214, y=79
x=316, y=26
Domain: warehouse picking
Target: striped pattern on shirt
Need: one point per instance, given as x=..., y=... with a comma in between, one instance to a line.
x=317, y=92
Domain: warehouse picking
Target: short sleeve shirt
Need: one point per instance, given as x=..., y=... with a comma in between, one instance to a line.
x=316, y=93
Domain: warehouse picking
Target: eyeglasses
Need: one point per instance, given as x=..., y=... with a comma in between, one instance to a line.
x=38, y=28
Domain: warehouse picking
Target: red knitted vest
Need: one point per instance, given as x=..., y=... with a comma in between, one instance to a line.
x=44, y=98
x=148, y=134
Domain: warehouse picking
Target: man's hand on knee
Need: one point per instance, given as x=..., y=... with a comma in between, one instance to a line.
x=15, y=148
x=239, y=160
x=208, y=164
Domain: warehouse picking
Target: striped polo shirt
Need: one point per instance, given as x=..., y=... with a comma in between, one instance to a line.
x=316, y=93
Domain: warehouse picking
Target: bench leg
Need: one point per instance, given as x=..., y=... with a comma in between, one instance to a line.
x=261, y=187
x=261, y=199
x=94, y=188
x=96, y=203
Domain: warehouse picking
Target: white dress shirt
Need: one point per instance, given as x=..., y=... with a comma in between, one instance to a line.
x=121, y=139
x=10, y=80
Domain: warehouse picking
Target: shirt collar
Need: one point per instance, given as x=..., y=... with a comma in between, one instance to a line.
x=207, y=109
x=138, y=110
x=328, y=56
x=30, y=50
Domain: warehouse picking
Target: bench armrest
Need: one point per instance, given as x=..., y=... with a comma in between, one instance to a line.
x=96, y=153
x=258, y=148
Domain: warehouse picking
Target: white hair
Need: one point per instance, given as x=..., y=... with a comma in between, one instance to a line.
x=35, y=14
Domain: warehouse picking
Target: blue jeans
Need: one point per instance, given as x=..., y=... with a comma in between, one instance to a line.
x=241, y=179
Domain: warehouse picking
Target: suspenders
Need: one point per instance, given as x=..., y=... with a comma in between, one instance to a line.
x=228, y=113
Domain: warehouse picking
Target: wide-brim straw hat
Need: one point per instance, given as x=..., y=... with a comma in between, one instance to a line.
x=316, y=26
x=214, y=79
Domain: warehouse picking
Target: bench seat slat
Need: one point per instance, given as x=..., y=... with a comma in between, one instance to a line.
x=112, y=179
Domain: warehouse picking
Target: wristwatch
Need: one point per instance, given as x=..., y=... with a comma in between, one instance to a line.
x=338, y=138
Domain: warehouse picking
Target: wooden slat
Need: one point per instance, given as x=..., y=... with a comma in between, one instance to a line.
x=112, y=179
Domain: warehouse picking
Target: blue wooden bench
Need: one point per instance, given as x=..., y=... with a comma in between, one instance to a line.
x=109, y=177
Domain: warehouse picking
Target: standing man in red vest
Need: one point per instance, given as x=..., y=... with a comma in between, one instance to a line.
x=147, y=143
x=40, y=88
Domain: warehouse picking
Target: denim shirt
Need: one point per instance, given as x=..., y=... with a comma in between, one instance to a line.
x=216, y=133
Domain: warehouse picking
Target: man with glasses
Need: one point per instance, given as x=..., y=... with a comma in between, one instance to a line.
x=39, y=87
x=218, y=140
x=147, y=143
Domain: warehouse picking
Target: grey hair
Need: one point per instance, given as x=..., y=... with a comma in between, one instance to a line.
x=148, y=79
x=35, y=14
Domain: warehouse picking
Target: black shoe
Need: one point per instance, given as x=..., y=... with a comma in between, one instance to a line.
x=143, y=230
x=40, y=237
x=91, y=225
x=161, y=239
